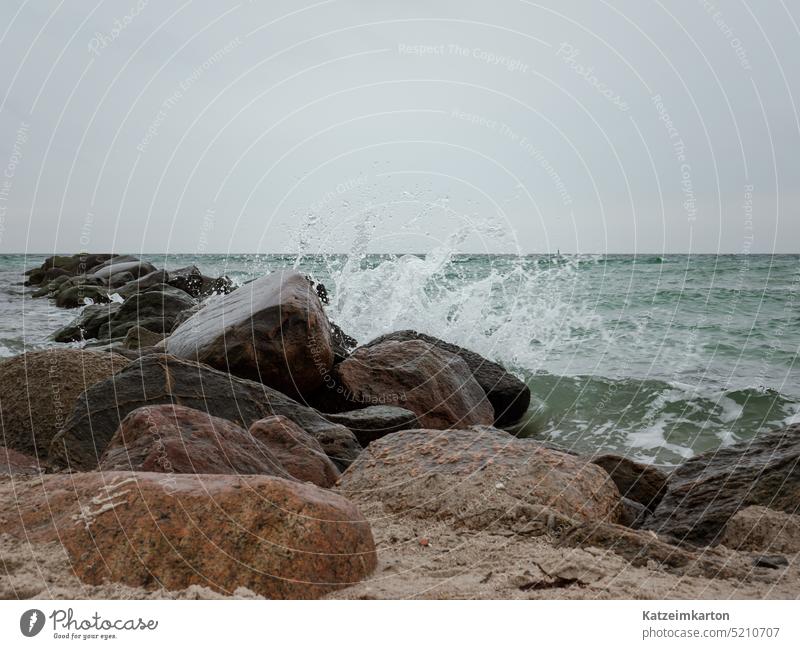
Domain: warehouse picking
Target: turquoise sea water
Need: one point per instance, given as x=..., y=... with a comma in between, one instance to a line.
x=657, y=356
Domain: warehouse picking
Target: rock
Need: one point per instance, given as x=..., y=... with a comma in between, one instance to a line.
x=478, y=478
x=76, y=264
x=342, y=344
x=76, y=296
x=145, y=282
x=216, y=286
x=632, y=514
x=15, y=463
x=116, y=259
x=134, y=267
x=176, y=439
x=300, y=455
x=54, y=273
x=188, y=279
x=641, y=547
x=88, y=324
x=704, y=492
x=35, y=277
x=138, y=337
x=272, y=330
x=278, y=538
x=120, y=279
x=641, y=483
x=762, y=529
x=771, y=562
x=38, y=390
x=158, y=379
x=153, y=309
x=508, y=395
x=374, y=422
x=434, y=384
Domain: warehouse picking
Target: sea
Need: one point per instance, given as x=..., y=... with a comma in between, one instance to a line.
x=659, y=357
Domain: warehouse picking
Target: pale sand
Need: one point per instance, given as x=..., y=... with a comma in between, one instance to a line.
x=454, y=564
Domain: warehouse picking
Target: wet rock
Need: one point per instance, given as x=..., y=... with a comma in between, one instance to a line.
x=76, y=296
x=342, y=344
x=38, y=390
x=188, y=279
x=154, y=309
x=478, y=478
x=143, y=283
x=434, y=384
x=762, y=529
x=120, y=279
x=272, y=330
x=139, y=337
x=73, y=264
x=278, y=538
x=122, y=264
x=159, y=379
x=298, y=453
x=374, y=422
x=88, y=324
x=641, y=483
x=508, y=395
x=704, y=492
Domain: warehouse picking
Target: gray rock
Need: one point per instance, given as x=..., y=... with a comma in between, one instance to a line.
x=373, y=422
x=88, y=324
x=704, y=492
x=163, y=379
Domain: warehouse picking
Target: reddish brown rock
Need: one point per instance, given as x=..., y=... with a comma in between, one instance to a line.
x=298, y=453
x=176, y=439
x=434, y=384
x=38, y=391
x=509, y=396
x=479, y=478
x=279, y=538
x=15, y=463
x=272, y=330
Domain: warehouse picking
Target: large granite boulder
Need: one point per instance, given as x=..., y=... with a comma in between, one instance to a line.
x=38, y=390
x=177, y=439
x=479, y=478
x=278, y=538
x=704, y=492
x=509, y=396
x=162, y=379
x=434, y=384
x=298, y=453
x=374, y=422
x=272, y=330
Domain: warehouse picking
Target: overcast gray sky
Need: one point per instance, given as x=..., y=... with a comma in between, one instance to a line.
x=259, y=126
